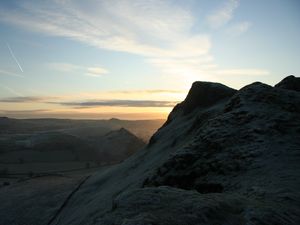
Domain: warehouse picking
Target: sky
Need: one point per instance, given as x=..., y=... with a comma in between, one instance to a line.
x=136, y=59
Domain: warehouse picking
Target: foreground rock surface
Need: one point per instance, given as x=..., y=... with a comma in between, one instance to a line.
x=232, y=158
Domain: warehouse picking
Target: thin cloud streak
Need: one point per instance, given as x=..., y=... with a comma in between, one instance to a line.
x=119, y=103
x=27, y=99
x=14, y=57
x=29, y=111
x=74, y=114
x=90, y=103
x=223, y=15
x=239, y=28
x=22, y=99
x=11, y=73
x=95, y=71
x=153, y=91
x=12, y=91
x=249, y=72
x=46, y=99
x=63, y=67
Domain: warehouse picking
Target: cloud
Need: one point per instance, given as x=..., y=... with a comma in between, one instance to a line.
x=75, y=114
x=185, y=66
x=152, y=91
x=119, y=103
x=73, y=102
x=63, y=67
x=18, y=112
x=11, y=73
x=248, y=72
x=26, y=99
x=11, y=90
x=162, y=32
x=223, y=15
x=151, y=29
x=68, y=67
x=148, y=28
x=239, y=28
x=96, y=71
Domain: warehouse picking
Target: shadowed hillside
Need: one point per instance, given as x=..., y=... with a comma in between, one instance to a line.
x=38, y=146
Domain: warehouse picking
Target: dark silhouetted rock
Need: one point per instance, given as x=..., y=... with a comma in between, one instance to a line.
x=204, y=94
x=290, y=82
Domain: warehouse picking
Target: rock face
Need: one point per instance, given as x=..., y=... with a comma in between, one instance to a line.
x=223, y=157
x=205, y=94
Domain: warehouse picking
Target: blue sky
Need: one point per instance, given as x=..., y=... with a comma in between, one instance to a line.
x=137, y=58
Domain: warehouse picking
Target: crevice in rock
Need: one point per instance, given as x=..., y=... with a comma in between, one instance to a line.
x=58, y=212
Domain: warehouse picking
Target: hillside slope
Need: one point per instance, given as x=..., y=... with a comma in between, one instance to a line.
x=118, y=145
x=67, y=149
x=223, y=157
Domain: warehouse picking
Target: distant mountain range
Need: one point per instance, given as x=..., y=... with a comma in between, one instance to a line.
x=224, y=156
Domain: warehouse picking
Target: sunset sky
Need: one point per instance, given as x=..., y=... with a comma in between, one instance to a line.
x=135, y=59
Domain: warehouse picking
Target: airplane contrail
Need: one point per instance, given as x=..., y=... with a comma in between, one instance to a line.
x=14, y=57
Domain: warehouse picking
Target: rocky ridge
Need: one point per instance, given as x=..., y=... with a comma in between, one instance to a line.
x=233, y=159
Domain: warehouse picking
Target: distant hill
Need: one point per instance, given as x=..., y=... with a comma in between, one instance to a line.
x=141, y=128
x=55, y=143
x=118, y=145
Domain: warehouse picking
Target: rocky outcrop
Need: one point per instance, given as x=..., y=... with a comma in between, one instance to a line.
x=232, y=160
x=231, y=138
x=167, y=205
x=291, y=82
x=205, y=94
x=201, y=95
